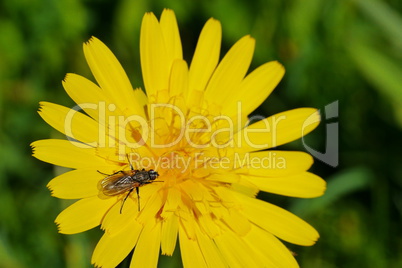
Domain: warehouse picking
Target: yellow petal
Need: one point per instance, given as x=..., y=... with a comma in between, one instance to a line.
x=278, y=221
x=245, y=187
x=206, y=56
x=150, y=203
x=102, y=134
x=114, y=221
x=170, y=227
x=277, y=130
x=172, y=202
x=196, y=191
x=111, y=250
x=178, y=78
x=171, y=36
x=236, y=252
x=75, y=184
x=304, y=185
x=70, y=122
x=146, y=252
x=187, y=222
x=237, y=222
x=154, y=61
x=191, y=254
x=207, y=224
x=112, y=77
x=195, y=101
x=209, y=250
x=254, y=89
x=96, y=103
x=68, y=154
x=230, y=71
x=270, y=249
x=84, y=93
x=83, y=215
x=224, y=177
x=272, y=163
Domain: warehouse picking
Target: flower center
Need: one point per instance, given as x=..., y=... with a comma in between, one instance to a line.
x=175, y=166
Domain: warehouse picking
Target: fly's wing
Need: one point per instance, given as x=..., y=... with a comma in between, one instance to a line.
x=115, y=184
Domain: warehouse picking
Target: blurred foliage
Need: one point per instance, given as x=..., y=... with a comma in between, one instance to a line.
x=348, y=50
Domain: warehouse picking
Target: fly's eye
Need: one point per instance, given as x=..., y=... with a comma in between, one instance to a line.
x=153, y=174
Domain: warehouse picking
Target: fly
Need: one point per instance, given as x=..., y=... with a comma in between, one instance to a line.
x=123, y=181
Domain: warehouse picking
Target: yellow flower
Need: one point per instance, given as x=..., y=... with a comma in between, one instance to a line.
x=191, y=127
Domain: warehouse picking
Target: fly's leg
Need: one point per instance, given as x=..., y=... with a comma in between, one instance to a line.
x=103, y=173
x=131, y=165
x=120, y=171
x=129, y=192
x=138, y=197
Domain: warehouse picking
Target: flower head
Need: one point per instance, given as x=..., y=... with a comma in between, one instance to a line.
x=192, y=128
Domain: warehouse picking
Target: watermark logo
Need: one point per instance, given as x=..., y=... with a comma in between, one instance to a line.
x=331, y=154
x=182, y=163
x=166, y=126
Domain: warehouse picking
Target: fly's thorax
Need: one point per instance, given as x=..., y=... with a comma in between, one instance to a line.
x=145, y=176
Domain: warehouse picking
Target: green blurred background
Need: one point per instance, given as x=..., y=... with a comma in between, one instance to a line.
x=347, y=51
